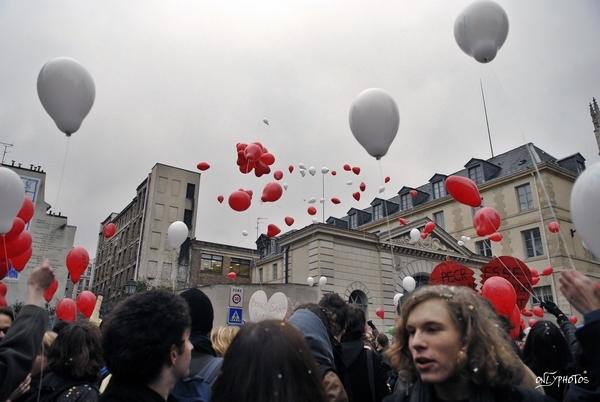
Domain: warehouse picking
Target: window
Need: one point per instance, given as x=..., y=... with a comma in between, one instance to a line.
x=533, y=243
x=187, y=218
x=439, y=189
x=162, y=184
x=175, y=188
x=476, y=174
x=353, y=221
x=580, y=166
x=484, y=248
x=524, y=197
x=359, y=299
x=159, y=210
x=155, y=241
x=405, y=202
x=377, y=211
x=173, y=212
x=212, y=263
x=542, y=293
x=240, y=267
x=438, y=218
x=274, y=269
x=260, y=275
x=190, y=190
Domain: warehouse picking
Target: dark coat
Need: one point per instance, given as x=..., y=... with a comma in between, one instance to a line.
x=58, y=389
x=356, y=377
x=19, y=348
x=590, y=360
x=116, y=392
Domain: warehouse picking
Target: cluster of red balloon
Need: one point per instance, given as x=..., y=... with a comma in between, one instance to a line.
x=3, y=290
x=66, y=308
x=15, y=245
x=255, y=157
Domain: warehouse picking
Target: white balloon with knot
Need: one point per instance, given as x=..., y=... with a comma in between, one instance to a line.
x=409, y=283
x=310, y=281
x=396, y=299
x=323, y=281
x=12, y=193
x=585, y=198
x=177, y=233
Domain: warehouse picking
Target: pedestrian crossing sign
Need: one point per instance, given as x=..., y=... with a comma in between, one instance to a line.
x=235, y=316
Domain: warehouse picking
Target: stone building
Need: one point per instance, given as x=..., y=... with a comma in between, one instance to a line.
x=52, y=236
x=211, y=262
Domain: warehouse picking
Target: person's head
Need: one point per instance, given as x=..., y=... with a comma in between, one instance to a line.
x=59, y=325
x=382, y=341
x=41, y=360
x=338, y=306
x=6, y=319
x=355, y=324
x=445, y=333
x=201, y=311
x=221, y=338
x=546, y=349
x=268, y=361
x=146, y=334
x=76, y=353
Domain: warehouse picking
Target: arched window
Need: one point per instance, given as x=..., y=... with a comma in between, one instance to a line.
x=421, y=278
x=359, y=298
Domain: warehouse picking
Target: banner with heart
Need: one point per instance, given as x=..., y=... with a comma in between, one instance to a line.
x=261, y=309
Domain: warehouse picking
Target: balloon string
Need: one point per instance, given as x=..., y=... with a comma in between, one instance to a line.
x=5, y=251
x=387, y=219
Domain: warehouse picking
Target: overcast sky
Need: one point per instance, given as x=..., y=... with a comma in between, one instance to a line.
x=179, y=82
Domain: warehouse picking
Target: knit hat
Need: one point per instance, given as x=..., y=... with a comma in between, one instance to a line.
x=201, y=310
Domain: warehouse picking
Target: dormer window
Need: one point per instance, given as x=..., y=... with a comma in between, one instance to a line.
x=377, y=211
x=353, y=221
x=476, y=174
x=580, y=166
x=405, y=202
x=439, y=189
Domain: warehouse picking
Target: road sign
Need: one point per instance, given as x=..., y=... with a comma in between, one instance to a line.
x=236, y=296
x=235, y=316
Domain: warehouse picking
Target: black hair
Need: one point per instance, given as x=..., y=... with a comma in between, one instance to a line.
x=326, y=316
x=338, y=306
x=546, y=349
x=8, y=311
x=139, y=333
x=355, y=324
x=268, y=361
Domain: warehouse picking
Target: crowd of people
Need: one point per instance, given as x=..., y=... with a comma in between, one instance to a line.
x=449, y=345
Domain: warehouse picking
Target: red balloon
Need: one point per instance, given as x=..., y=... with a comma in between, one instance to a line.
x=19, y=262
x=3, y=289
x=573, y=319
x=554, y=227
x=203, y=166
x=486, y=221
x=66, y=310
x=231, y=276
x=534, y=272
x=249, y=192
x=16, y=229
x=272, y=192
x=463, y=190
x=413, y=193
x=429, y=226
x=538, y=311
x=261, y=168
x=86, y=301
x=253, y=152
x=291, y=168
x=16, y=247
x=3, y=302
x=335, y=200
x=27, y=210
x=356, y=170
x=3, y=268
x=387, y=179
x=515, y=320
x=278, y=175
x=240, y=146
x=424, y=235
x=532, y=322
x=347, y=167
x=496, y=237
x=547, y=271
x=49, y=293
x=311, y=210
x=526, y=312
x=501, y=294
x=403, y=221
x=109, y=230
x=272, y=230
x=289, y=220
x=239, y=201
x=77, y=262
x=356, y=196
x=220, y=198
x=535, y=280
x=267, y=158
x=333, y=172
x=380, y=313
x=362, y=186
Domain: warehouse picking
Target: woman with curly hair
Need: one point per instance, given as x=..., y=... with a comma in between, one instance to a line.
x=221, y=338
x=450, y=346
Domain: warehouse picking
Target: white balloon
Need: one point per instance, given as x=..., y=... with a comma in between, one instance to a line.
x=315, y=220
x=460, y=243
x=302, y=172
x=408, y=283
x=323, y=281
x=12, y=193
x=585, y=198
x=349, y=182
x=301, y=166
x=285, y=186
x=397, y=297
x=468, y=238
x=381, y=189
x=324, y=170
x=415, y=235
x=463, y=238
x=244, y=233
x=310, y=281
x=312, y=200
x=67, y=92
x=374, y=121
x=177, y=233
x=312, y=170
x=481, y=29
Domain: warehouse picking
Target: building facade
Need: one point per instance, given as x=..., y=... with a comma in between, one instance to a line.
x=211, y=262
x=368, y=250
x=52, y=236
x=139, y=251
